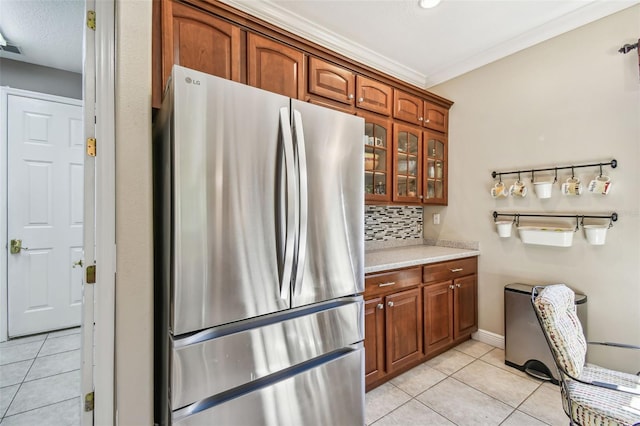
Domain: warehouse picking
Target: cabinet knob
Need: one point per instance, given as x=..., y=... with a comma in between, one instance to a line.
x=427, y=120
x=380, y=306
x=420, y=119
x=350, y=96
x=457, y=270
x=390, y=304
x=421, y=196
x=360, y=99
x=387, y=284
x=452, y=287
x=458, y=285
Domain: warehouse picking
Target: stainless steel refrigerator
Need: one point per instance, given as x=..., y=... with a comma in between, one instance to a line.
x=259, y=229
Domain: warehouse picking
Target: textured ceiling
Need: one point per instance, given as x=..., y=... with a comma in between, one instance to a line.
x=48, y=32
x=422, y=47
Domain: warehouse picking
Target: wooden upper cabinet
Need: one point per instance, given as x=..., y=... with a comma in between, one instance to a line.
x=435, y=168
x=436, y=117
x=199, y=41
x=378, y=156
x=407, y=107
x=331, y=81
x=275, y=67
x=373, y=95
x=407, y=163
x=415, y=110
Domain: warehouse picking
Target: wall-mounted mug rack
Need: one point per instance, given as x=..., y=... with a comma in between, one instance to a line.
x=613, y=217
x=554, y=235
x=613, y=163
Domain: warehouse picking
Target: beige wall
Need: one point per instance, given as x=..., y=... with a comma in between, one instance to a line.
x=134, y=283
x=568, y=100
x=23, y=75
x=572, y=99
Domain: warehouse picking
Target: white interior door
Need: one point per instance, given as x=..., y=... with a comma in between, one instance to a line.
x=44, y=213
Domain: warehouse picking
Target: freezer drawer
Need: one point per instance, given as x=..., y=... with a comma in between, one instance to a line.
x=220, y=359
x=331, y=393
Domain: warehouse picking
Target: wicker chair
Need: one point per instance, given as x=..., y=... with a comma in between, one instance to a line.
x=591, y=395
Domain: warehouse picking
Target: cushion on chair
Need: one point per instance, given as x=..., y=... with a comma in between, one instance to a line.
x=556, y=308
x=593, y=405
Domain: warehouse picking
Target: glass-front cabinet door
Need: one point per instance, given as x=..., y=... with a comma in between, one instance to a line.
x=377, y=158
x=435, y=168
x=407, y=184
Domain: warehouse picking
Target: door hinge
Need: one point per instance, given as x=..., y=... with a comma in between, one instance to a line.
x=91, y=147
x=88, y=402
x=91, y=274
x=91, y=19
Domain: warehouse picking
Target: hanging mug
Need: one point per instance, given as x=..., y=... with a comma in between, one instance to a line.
x=572, y=186
x=499, y=190
x=600, y=185
x=518, y=189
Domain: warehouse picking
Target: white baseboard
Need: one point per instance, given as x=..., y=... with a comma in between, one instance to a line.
x=489, y=338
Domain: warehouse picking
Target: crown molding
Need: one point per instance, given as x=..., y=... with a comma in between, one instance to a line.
x=309, y=30
x=281, y=17
x=588, y=13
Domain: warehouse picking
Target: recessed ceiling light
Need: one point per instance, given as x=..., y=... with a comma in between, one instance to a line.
x=428, y=4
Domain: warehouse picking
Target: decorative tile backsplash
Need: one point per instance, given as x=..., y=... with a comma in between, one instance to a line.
x=388, y=223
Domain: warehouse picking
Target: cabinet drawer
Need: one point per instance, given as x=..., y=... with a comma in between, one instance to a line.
x=449, y=270
x=388, y=282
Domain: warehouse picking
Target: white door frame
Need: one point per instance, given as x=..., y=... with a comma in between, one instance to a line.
x=4, y=188
x=105, y=287
x=105, y=253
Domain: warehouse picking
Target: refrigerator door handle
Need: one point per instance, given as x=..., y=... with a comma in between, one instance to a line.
x=303, y=201
x=287, y=267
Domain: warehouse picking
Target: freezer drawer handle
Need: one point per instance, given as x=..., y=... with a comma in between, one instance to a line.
x=387, y=284
x=457, y=270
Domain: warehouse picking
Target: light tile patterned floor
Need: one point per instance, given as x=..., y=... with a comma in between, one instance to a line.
x=467, y=385
x=40, y=379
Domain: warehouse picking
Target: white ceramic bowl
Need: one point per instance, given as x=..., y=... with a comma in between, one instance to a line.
x=546, y=235
x=543, y=189
x=596, y=234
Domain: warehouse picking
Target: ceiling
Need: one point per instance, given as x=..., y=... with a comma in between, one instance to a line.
x=421, y=46
x=48, y=32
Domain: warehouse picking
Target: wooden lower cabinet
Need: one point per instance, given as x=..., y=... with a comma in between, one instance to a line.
x=374, y=341
x=450, y=312
x=465, y=306
x=438, y=316
x=406, y=326
x=393, y=333
x=403, y=325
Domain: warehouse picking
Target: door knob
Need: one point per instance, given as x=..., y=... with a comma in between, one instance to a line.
x=78, y=263
x=16, y=247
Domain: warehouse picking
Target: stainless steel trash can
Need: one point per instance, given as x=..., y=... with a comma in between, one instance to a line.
x=525, y=347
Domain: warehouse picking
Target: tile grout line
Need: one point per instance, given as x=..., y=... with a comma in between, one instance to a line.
x=475, y=358
x=37, y=408
x=22, y=382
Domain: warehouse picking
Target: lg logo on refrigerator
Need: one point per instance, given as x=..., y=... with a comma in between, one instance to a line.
x=190, y=81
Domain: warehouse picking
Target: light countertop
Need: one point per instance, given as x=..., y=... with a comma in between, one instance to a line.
x=402, y=257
